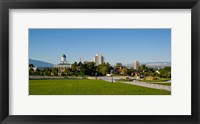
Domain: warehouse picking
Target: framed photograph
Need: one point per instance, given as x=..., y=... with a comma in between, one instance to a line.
x=102, y=61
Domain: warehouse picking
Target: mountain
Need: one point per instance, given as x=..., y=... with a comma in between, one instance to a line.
x=39, y=63
x=152, y=64
x=158, y=64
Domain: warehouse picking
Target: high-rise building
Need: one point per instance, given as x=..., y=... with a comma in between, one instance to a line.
x=99, y=59
x=136, y=65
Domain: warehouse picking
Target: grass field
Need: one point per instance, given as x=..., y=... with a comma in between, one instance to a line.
x=88, y=87
x=150, y=79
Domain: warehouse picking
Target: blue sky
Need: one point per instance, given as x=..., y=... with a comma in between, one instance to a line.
x=116, y=45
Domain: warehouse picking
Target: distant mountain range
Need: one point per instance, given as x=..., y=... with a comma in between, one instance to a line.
x=39, y=63
x=157, y=64
x=153, y=64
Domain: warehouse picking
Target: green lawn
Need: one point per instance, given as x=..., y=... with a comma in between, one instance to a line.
x=158, y=80
x=161, y=81
x=88, y=87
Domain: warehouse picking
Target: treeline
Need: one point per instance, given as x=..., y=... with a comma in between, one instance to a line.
x=161, y=72
x=90, y=69
x=77, y=69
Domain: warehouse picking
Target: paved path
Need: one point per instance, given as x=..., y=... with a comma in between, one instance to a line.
x=138, y=83
x=155, y=86
x=109, y=79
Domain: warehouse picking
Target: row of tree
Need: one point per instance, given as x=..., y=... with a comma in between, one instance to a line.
x=90, y=69
x=77, y=69
x=159, y=72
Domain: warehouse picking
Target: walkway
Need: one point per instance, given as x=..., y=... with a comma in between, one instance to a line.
x=135, y=82
x=155, y=86
x=109, y=79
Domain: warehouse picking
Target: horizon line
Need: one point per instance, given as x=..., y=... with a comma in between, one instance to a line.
x=107, y=62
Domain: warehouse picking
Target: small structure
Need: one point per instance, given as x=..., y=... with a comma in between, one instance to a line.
x=137, y=76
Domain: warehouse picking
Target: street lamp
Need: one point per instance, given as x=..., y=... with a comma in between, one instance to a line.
x=96, y=74
x=111, y=73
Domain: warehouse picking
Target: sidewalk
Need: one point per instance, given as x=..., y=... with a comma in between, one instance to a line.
x=155, y=86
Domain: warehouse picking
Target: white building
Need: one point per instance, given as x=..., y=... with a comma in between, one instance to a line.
x=63, y=59
x=99, y=59
x=136, y=65
x=63, y=65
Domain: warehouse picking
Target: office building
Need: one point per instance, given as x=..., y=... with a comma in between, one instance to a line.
x=136, y=65
x=98, y=59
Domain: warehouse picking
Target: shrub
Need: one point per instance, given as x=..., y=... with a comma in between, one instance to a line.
x=155, y=78
x=127, y=78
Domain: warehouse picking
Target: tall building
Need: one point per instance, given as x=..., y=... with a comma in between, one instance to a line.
x=136, y=65
x=99, y=59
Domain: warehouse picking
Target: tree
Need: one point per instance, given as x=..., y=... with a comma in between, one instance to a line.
x=118, y=64
x=55, y=72
x=80, y=64
x=63, y=74
x=165, y=72
x=130, y=72
x=68, y=71
x=74, y=66
x=47, y=71
x=31, y=71
x=88, y=68
x=104, y=68
x=37, y=72
x=150, y=71
x=31, y=65
x=143, y=68
x=167, y=68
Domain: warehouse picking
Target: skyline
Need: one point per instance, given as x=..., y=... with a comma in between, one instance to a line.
x=116, y=45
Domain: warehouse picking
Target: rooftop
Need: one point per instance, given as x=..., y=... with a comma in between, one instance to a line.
x=63, y=55
x=64, y=64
